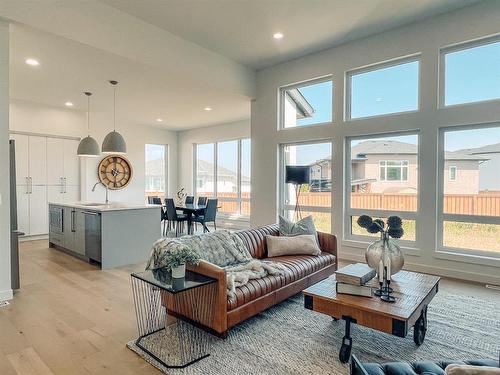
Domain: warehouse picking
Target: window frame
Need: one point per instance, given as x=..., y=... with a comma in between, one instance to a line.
x=416, y=57
x=401, y=167
x=456, y=47
x=166, y=157
x=454, y=168
x=309, y=82
x=442, y=216
x=351, y=212
x=239, y=199
x=282, y=206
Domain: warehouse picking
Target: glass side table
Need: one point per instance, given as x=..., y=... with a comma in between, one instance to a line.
x=164, y=333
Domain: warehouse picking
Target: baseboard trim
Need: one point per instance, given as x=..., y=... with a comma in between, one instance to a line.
x=439, y=271
x=34, y=238
x=6, y=295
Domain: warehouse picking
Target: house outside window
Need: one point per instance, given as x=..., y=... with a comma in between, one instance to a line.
x=155, y=170
x=222, y=170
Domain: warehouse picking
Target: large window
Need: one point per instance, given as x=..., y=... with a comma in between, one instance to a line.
x=223, y=171
x=382, y=180
x=306, y=104
x=156, y=170
x=471, y=72
x=390, y=88
x=469, y=214
x=315, y=198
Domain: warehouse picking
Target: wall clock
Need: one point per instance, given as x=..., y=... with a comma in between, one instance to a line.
x=115, y=172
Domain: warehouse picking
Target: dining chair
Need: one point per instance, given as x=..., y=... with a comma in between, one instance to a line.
x=174, y=218
x=189, y=199
x=209, y=215
x=150, y=200
x=156, y=200
x=202, y=201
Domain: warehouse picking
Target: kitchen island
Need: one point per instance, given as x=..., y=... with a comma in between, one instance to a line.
x=114, y=234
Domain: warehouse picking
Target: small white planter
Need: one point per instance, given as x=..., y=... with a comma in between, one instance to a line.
x=179, y=272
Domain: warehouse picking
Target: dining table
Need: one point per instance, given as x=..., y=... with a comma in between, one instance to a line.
x=191, y=210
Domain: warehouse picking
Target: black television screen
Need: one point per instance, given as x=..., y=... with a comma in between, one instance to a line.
x=297, y=174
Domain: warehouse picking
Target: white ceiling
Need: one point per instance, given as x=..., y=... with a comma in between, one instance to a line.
x=145, y=93
x=243, y=29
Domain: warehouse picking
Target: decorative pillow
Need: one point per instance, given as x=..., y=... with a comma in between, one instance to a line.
x=303, y=244
x=455, y=369
x=304, y=226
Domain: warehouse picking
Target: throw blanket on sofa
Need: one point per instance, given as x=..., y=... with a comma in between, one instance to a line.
x=222, y=249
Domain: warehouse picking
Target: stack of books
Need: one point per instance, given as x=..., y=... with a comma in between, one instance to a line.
x=353, y=279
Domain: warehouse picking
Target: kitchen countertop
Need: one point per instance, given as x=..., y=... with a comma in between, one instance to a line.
x=102, y=207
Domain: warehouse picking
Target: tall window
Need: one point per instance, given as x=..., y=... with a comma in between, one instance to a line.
x=471, y=72
x=469, y=213
x=223, y=171
x=306, y=104
x=382, y=180
x=156, y=170
x=385, y=89
x=315, y=198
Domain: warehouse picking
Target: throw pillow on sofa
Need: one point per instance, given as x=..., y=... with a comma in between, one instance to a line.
x=304, y=244
x=304, y=226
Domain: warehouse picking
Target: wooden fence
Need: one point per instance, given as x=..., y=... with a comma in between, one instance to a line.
x=486, y=204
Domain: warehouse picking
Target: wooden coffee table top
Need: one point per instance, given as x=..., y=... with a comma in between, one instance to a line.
x=413, y=292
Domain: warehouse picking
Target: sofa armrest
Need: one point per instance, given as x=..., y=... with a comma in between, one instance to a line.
x=356, y=368
x=328, y=244
x=219, y=308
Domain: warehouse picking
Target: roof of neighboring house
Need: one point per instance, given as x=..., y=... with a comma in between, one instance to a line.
x=207, y=168
x=383, y=147
x=304, y=108
x=490, y=149
x=155, y=167
x=462, y=155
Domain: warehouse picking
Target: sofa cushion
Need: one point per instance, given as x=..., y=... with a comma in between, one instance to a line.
x=303, y=244
x=299, y=266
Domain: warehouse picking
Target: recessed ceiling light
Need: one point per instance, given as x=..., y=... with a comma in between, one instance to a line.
x=159, y=120
x=32, y=62
x=207, y=108
x=278, y=35
x=68, y=104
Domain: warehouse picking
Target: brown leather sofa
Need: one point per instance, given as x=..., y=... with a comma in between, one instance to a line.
x=260, y=294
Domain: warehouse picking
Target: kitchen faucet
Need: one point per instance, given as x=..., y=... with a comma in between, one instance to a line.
x=105, y=186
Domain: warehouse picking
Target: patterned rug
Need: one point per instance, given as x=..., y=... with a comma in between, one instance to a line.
x=288, y=339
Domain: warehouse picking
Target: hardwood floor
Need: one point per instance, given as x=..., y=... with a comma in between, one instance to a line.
x=72, y=318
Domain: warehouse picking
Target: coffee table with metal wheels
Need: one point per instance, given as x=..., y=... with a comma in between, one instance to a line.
x=160, y=301
x=413, y=292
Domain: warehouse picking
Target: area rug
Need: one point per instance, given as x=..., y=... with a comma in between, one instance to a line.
x=288, y=339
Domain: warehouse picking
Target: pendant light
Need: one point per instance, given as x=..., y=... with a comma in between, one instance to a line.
x=114, y=143
x=88, y=146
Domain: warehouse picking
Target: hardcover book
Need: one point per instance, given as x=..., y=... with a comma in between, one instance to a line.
x=357, y=290
x=356, y=274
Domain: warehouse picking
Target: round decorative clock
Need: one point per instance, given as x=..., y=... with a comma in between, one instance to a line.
x=115, y=172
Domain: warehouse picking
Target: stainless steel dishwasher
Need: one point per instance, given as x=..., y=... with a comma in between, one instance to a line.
x=93, y=247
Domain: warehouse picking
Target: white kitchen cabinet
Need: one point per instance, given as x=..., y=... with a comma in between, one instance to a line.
x=22, y=158
x=38, y=210
x=55, y=161
x=47, y=170
x=71, y=163
x=23, y=208
x=38, y=160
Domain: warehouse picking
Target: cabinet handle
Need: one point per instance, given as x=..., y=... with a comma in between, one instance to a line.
x=27, y=185
x=64, y=185
x=61, y=190
x=31, y=185
x=73, y=217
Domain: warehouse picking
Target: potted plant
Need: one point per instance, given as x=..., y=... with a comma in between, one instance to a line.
x=385, y=248
x=177, y=259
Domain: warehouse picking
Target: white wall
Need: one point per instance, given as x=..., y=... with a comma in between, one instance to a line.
x=426, y=38
x=5, y=285
x=186, y=139
x=39, y=118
